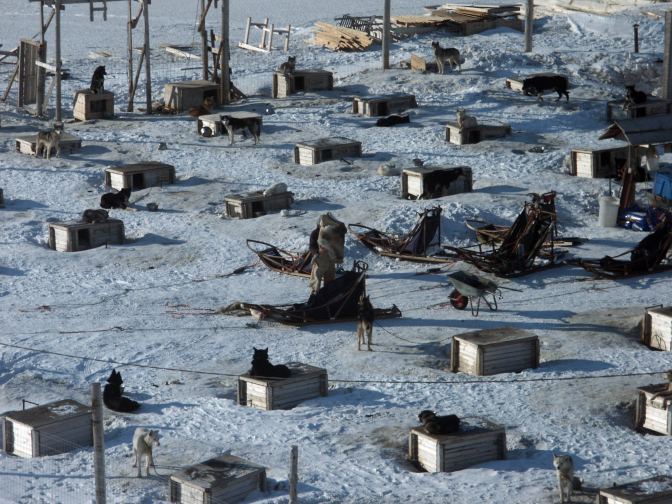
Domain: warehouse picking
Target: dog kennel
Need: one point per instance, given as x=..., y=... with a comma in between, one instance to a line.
x=478, y=440
x=305, y=382
x=657, y=328
x=597, y=162
x=653, y=106
x=494, y=351
x=27, y=144
x=181, y=96
x=77, y=236
x=256, y=204
x=326, y=149
x=475, y=134
x=372, y=106
x=656, y=490
x=90, y=105
x=52, y=428
x=652, y=410
x=434, y=182
x=221, y=479
x=139, y=175
x=301, y=80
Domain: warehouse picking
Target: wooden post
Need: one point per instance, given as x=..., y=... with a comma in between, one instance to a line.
x=39, y=105
x=148, y=73
x=204, y=42
x=293, y=474
x=667, y=58
x=529, y=22
x=635, y=28
x=224, y=88
x=386, y=36
x=98, y=442
x=58, y=119
x=129, y=38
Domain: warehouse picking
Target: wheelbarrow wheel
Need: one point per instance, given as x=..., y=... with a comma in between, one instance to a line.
x=458, y=300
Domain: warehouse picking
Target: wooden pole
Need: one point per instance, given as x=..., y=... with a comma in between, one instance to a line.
x=293, y=475
x=224, y=87
x=529, y=25
x=129, y=38
x=58, y=120
x=204, y=41
x=98, y=443
x=386, y=36
x=39, y=106
x=667, y=58
x=148, y=72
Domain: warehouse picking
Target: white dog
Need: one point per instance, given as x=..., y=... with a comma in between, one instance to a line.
x=143, y=442
x=567, y=483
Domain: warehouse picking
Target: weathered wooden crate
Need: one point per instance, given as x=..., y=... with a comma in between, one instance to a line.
x=434, y=182
x=301, y=80
x=326, y=149
x=657, y=328
x=90, y=105
x=139, y=176
x=652, y=411
x=493, y=351
x=461, y=136
x=373, y=106
x=597, y=162
x=221, y=479
x=52, y=428
x=656, y=490
x=653, y=106
x=477, y=441
x=255, y=204
x=76, y=236
x=183, y=95
x=26, y=144
x=306, y=382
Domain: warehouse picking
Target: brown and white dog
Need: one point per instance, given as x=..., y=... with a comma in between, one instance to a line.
x=365, y=319
x=205, y=107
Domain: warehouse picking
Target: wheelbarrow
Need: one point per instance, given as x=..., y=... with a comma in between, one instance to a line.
x=469, y=286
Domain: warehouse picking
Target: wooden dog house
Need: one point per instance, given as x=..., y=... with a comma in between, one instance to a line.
x=652, y=106
x=285, y=84
x=656, y=490
x=434, y=182
x=139, y=176
x=52, y=428
x=27, y=144
x=597, y=162
x=210, y=125
x=181, y=96
x=221, y=479
x=256, y=204
x=493, y=351
x=305, y=382
x=90, y=105
x=475, y=134
x=477, y=441
x=326, y=149
x=420, y=64
x=77, y=236
x=652, y=411
x=657, y=328
x=372, y=106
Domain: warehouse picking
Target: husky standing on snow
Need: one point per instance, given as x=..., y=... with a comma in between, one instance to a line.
x=567, y=482
x=143, y=442
x=443, y=54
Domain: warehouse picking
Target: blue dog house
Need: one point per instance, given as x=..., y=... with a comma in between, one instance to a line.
x=663, y=185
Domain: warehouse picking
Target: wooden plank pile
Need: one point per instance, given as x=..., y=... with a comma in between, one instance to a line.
x=478, y=11
x=338, y=38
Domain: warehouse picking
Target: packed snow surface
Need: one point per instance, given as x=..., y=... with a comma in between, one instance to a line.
x=151, y=302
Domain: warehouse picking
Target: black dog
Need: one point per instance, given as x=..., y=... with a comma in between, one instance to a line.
x=98, y=80
x=434, y=424
x=536, y=86
x=112, y=395
x=115, y=200
x=634, y=97
x=261, y=366
x=393, y=120
x=92, y=216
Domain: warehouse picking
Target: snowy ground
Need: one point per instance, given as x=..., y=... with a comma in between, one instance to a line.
x=119, y=303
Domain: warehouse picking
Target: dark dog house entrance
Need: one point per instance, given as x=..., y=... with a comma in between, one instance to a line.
x=327, y=155
x=299, y=83
x=474, y=136
x=98, y=106
x=138, y=181
x=212, y=93
x=83, y=239
x=258, y=208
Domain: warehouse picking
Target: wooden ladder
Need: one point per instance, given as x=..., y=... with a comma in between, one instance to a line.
x=102, y=9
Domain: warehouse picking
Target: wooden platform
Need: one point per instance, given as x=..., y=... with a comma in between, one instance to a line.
x=461, y=136
x=656, y=490
x=26, y=144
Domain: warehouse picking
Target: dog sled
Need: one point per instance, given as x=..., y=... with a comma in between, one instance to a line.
x=336, y=301
x=648, y=256
x=526, y=246
x=421, y=244
x=282, y=261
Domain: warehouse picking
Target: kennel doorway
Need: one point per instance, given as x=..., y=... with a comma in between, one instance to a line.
x=83, y=239
x=138, y=181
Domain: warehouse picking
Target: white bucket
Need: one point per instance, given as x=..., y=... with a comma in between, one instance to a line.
x=608, y=211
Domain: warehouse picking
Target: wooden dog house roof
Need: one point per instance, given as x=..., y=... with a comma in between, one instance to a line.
x=46, y=414
x=644, y=130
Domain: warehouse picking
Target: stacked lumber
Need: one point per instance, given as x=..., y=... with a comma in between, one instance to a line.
x=434, y=21
x=478, y=11
x=338, y=38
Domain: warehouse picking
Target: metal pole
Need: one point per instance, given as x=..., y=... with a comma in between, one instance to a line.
x=98, y=443
x=204, y=42
x=386, y=36
x=667, y=57
x=529, y=25
x=58, y=120
x=293, y=475
x=148, y=73
x=129, y=37
x=225, y=88
x=635, y=27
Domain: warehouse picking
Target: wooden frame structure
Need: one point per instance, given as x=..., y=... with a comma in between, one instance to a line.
x=656, y=490
x=267, y=31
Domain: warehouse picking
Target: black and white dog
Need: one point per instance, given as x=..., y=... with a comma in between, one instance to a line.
x=115, y=200
x=98, y=80
x=232, y=124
